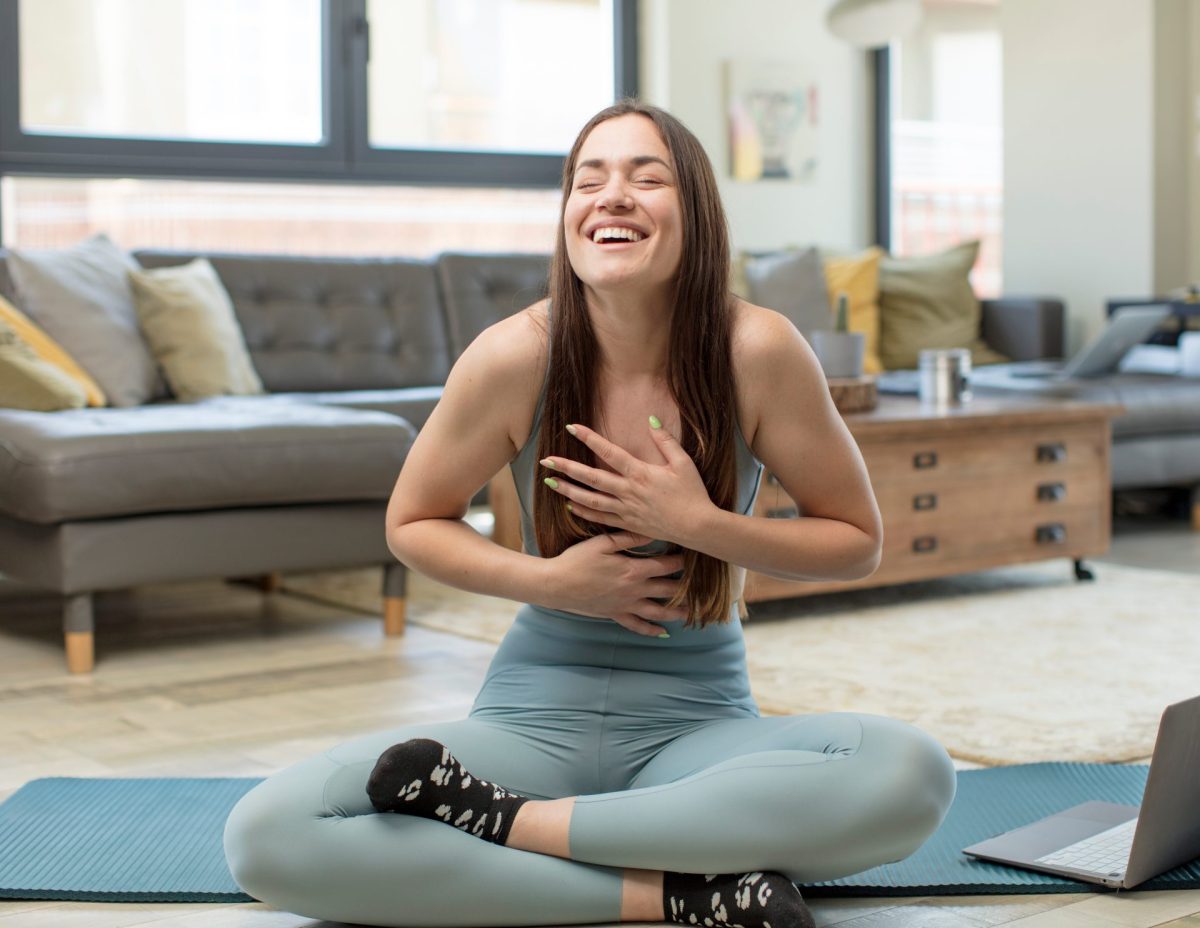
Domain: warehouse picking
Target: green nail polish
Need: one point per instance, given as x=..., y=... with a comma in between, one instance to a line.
x=665, y=635
x=571, y=429
x=654, y=423
x=569, y=509
x=551, y=483
x=548, y=463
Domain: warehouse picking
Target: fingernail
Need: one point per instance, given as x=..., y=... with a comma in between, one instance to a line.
x=569, y=509
x=550, y=482
x=654, y=423
x=548, y=463
x=571, y=429
x=665, y=635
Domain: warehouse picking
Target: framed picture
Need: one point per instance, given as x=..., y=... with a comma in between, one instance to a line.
x=773, y=115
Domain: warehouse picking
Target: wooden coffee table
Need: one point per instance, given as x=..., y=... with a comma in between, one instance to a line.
x=997, y=481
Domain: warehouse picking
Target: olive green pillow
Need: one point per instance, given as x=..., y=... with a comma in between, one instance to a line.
x=187, y=319
x=28, y=382
x=927, y=302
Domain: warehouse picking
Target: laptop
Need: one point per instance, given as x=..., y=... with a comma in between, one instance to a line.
x=1115, y=845
x=1126, y=328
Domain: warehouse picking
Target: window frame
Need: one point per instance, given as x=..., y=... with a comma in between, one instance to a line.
x=881, y=79
x=344, y=156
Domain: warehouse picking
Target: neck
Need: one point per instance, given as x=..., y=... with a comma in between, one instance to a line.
x=633, y=331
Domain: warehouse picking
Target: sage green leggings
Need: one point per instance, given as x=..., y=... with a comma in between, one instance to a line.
x=672, y=765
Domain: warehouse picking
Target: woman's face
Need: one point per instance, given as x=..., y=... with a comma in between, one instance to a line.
x=622, y=220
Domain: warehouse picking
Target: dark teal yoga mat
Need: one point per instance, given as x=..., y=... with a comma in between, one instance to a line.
x=160, y=840
x=992, y=801
x=119, y=840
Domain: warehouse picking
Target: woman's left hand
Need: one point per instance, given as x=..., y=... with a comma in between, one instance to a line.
x=665, y=501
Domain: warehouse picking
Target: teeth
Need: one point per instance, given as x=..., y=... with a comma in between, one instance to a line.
x=619, y=232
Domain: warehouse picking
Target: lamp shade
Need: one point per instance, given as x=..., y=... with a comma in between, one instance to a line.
x=872, y=23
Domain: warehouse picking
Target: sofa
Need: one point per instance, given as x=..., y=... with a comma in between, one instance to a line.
x=353, y=354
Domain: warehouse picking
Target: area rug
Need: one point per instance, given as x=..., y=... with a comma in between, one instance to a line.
x=159, y=840
x=1017, y=665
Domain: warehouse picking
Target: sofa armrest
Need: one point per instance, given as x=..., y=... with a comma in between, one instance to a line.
x=1024, y=328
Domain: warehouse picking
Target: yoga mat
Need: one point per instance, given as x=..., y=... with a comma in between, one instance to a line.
x=1000, y=799
x=109, y=840
x=155, y=840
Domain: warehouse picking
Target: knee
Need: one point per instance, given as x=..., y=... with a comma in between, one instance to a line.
x=264, y=841
x=914, y=787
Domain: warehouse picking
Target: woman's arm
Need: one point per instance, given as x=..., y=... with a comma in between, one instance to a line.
x=467, y=440
x=801, y=438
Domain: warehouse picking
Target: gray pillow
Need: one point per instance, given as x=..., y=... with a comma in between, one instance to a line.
x=792, y=283
x=82, y=298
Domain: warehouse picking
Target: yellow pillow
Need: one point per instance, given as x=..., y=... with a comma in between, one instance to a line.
x=858, y=278
x=51, y=352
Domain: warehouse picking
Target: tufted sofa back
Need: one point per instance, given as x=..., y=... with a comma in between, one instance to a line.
x=325, y=324
x=333, y=323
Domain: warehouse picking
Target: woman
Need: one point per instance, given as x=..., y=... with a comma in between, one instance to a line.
x=627, y=774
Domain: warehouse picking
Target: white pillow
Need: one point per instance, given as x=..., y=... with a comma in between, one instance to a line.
x=82, y=298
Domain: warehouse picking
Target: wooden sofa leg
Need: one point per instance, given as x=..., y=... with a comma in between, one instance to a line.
x=78, y=630
x=395, y=583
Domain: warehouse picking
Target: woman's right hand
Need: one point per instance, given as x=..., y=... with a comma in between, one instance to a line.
x=595, y=577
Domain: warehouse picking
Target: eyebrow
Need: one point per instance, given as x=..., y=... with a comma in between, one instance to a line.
x=637, y=161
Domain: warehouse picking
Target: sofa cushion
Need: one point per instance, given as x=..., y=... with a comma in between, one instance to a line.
x=927, y=302
x=333, y=323
x=50, y=351
x=857, y=276
x=792, y=283
x=189, y=324
x=30, y=382
x=413, y=404
x=219, y=453
x=81, y=296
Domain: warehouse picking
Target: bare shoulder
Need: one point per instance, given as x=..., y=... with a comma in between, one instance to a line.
x=505, y=365
x=768, y=350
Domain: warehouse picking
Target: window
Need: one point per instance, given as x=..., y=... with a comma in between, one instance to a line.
x=277, y=218
x=943, y=180
x=443, y=92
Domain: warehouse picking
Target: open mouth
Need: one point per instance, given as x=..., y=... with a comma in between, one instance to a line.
x=616, y=235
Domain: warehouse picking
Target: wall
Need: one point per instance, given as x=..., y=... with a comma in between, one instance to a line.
x=1079, y=153
x=684, y=44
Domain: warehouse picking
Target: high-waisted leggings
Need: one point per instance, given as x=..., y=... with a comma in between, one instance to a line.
x=671, y=764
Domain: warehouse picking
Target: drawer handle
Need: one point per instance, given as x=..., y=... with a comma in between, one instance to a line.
x=924, y=501
x=923, y=460
x=1053, y=534
x=783, y=512
x=1051, y=453
x=1051, y=492
x=924, y=544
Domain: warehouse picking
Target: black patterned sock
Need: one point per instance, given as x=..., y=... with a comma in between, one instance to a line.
x=734, y=900
x=421, y=777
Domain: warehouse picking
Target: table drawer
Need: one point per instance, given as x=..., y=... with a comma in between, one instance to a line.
x=938, y=499
x=1040, y=450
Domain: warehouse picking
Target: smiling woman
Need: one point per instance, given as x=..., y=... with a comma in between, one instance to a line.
x=615, y=734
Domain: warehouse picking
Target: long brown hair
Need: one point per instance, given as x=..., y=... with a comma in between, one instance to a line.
x=699, y=372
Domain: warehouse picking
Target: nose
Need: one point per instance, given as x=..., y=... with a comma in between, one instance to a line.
x=615, y=195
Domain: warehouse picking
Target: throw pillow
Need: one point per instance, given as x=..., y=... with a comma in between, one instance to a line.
x=188, y=319
x=50, y=351
x=792, y=283
x=81, y=296
x=927, y=302
x=858, y=277
x=29, y=382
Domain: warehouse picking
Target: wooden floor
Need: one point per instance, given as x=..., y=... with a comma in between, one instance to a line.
x=211, y=679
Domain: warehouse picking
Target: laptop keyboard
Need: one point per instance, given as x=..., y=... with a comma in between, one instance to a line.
x=1106, y=852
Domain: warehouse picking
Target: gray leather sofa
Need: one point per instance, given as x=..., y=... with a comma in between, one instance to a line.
x=353, y=353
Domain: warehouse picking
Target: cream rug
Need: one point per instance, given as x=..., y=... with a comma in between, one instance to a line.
x=1009, y=666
